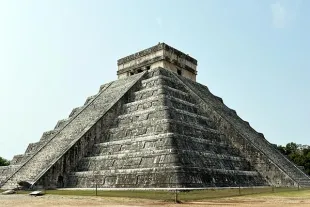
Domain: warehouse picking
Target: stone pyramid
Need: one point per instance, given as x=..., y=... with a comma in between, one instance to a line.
x=155, y=127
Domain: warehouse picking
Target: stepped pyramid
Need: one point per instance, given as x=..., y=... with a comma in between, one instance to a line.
x=155, y=127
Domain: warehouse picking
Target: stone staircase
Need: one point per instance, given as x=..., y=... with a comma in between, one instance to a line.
x=162, y=139
x=155, y=129
x=41, y=156
x=257, y=140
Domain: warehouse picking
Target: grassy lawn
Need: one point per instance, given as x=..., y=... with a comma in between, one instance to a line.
x=144, y=194
x=190, y=195
x=288, y=193
x=185, y=196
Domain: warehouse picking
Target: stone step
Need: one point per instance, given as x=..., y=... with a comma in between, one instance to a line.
x=48, y=154
x=6, y=171
x=156, y=169
x=89, y=99
x=137, y=129
x=32, y=147
x=26, y=156
x=157, y=77
x=162, y=126
x=17, y=159
x=305, y=185
x=165, y=177
x=162, y=80
x=160, y=137
x=162, y=112
x=162, y=89
x=304, y=182
x=144, y=112
x=61, y=123
x=158, y=71
x=160, y=100
x=46, y=136
x=163, y=157
x=151, y=141
x=76, y=111
x=190, y=117
x=128, y=149
x=163, y=142
x=135, y=117
x=154, y=136
x=104, y=87
x=171, y=152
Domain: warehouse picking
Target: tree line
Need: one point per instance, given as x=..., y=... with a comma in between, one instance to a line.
x=4, y=162
x=299, y=154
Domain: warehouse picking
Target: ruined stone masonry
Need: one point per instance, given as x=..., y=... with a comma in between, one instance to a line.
x=155, y=127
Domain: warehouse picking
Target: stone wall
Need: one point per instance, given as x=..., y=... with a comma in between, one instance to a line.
x=58, y=175
x=277, y=169
x=53, y=148
x=160, y=55
x=156, y=129
x=160, y=140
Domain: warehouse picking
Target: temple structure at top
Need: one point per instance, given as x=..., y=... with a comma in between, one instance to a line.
x=160, y=55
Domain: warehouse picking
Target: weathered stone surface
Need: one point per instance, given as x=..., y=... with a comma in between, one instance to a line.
x=50, y=152
x=161, y=135
x=155, y=129
x=275, y=167
x=17, y=159
x=37, y=193
x=8, y=192
x=6, y=171
x=160, y=55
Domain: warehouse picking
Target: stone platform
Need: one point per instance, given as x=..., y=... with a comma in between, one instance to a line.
x=154, y=129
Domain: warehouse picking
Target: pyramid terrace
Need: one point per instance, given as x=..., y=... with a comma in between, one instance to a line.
x=154, y=127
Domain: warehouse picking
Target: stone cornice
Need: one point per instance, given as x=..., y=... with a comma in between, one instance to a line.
x=160, y=46
x=156, y=59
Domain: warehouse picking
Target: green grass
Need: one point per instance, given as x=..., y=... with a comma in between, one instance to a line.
x=185, y=196
x=144, y=194
x=221, y=193
x=224, y=193
x=287, y=192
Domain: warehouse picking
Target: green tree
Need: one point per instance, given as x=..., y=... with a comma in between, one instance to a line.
x=291, y=148
x=297, y=153
x=282, y=149
x=4, y=162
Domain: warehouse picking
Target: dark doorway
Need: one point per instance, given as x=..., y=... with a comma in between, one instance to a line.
x=179, y=72
x=60, y=182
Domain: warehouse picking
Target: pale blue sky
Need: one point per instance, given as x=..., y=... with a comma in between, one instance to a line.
x=255, y=54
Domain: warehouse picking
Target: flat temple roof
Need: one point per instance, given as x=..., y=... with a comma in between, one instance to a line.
x=160, y=46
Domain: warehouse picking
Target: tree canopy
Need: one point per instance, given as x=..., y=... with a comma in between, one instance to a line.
x=299, y=154
x=4, y=162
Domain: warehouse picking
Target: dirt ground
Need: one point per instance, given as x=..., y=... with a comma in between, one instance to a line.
x=66, y=201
